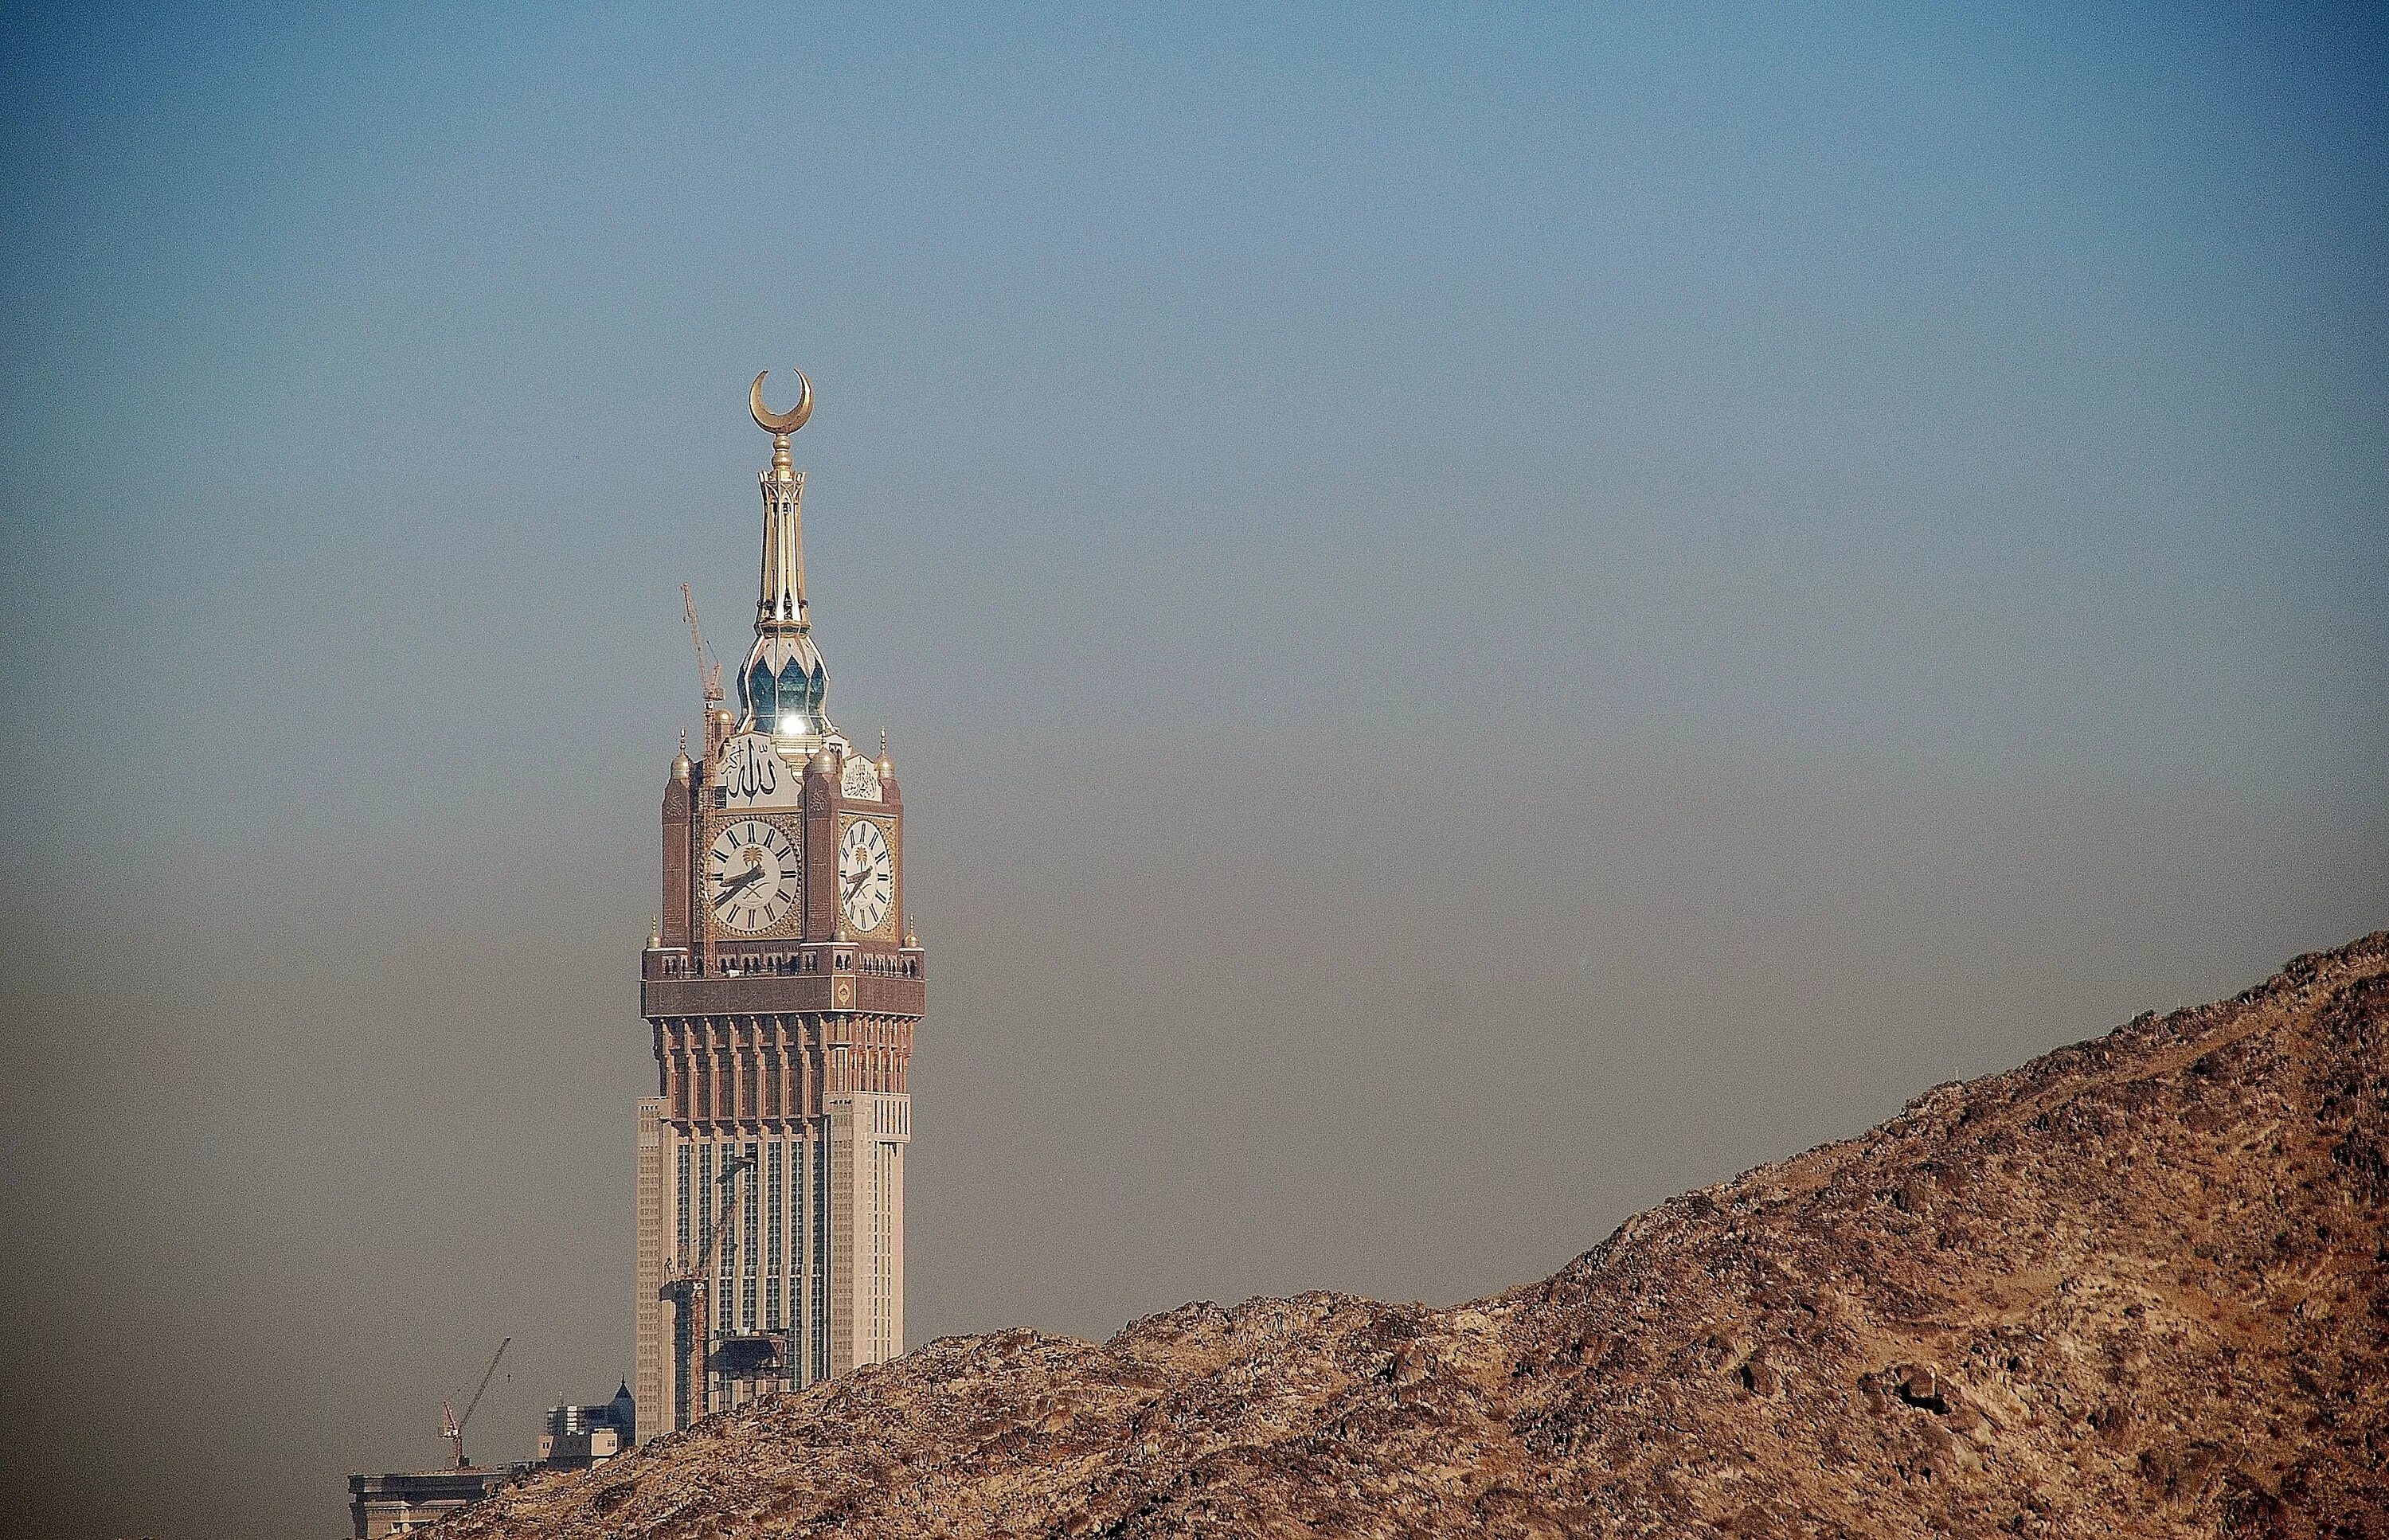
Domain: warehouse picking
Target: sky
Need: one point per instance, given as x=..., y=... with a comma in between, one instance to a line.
x=1485, y=615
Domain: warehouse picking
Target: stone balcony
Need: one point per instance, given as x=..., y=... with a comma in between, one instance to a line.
x=814, y=976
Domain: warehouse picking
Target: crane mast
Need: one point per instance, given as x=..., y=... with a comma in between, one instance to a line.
x=709, y=668
x=691, y=1289
x=451, y=1427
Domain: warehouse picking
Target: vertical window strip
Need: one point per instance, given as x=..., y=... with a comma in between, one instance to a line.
x=882, y=1259
x=777, y=1222
x=684, y=1211
x=800, y=1263
x=751, y=1230
x=821, y=1256
x=886, y=1251
x=703, y=1196
x=753, y=1184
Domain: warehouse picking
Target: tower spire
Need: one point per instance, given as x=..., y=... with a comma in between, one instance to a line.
x=783, y=685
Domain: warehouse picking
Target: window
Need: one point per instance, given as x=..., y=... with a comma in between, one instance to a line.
x=776, y=1223
x=756, y=689
x=753, y=1252
x=683, y=1207
x=817, y=1154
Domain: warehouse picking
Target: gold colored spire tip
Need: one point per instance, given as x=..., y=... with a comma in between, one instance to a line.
x=780, y=424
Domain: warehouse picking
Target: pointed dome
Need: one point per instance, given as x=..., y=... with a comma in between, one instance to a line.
x=785, y=687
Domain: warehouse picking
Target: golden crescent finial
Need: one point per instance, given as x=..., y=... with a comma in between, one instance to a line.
x=785, y=421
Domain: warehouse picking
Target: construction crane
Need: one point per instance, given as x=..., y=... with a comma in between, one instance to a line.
x=690, y=1289
x=451, y=1427
x=709, y=668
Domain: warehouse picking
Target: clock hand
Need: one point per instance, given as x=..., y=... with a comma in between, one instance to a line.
x=732, y=890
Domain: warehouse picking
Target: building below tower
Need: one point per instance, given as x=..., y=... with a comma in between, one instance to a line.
x=572, y=1438
x=404, y=1502
x=578, y=1437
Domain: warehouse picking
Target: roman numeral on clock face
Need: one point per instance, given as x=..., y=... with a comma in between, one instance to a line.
x=866, y=870
x=754, y=875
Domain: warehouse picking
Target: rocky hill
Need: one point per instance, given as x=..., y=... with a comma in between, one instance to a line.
x=2139, y=1286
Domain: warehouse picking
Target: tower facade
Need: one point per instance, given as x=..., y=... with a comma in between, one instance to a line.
x=781, y=987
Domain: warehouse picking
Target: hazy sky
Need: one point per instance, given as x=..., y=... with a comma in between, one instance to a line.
x=1484, y=618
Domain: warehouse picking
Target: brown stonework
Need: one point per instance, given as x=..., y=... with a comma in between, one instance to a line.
x=798, y=1041
x=771, y=1157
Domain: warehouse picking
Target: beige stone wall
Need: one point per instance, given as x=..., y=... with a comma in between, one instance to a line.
x=892, y=1344
x=651, y=1380
x=868, y=1132
x=892, y=1130
x=842, y=1178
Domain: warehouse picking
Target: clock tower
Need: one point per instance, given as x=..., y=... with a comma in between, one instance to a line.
x=781, y=986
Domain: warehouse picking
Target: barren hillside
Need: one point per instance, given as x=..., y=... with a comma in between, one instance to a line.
x=2138, y=1286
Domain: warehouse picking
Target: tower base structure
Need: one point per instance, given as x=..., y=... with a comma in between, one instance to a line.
x=806, y=1275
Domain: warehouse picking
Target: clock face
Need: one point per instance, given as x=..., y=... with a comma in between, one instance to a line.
x=754, y=874
x=866, y=875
